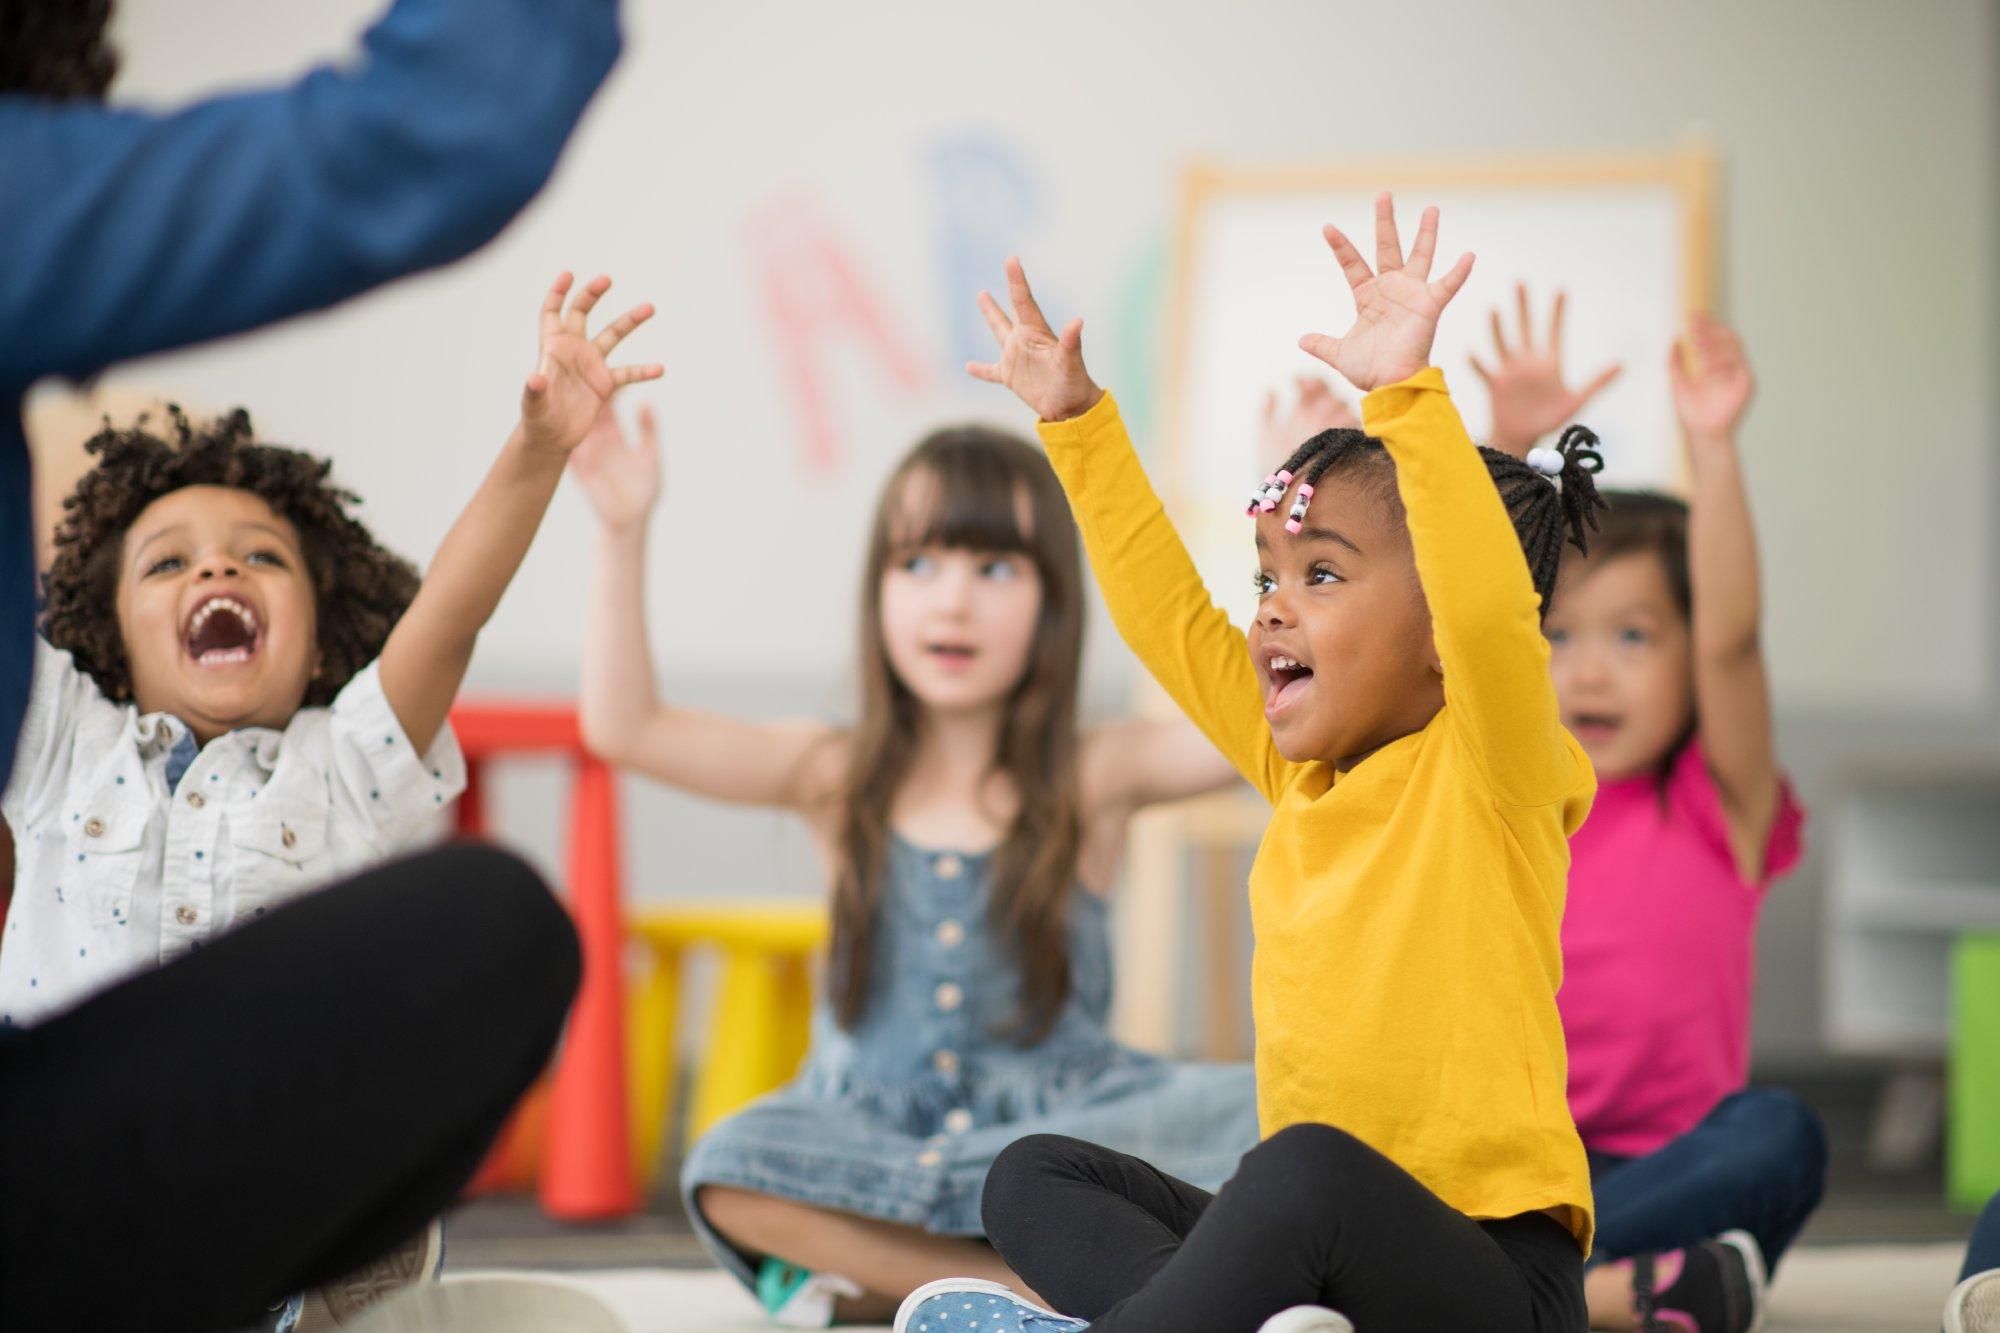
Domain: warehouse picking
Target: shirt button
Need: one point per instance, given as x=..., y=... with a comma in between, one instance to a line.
x=93, y=828
x=194, y=799
x=950, y=934
x=945, y=1062
x=958, y=1121
x=949, y=866
x=185, y=915
x=930, y=1157
x=948, y=997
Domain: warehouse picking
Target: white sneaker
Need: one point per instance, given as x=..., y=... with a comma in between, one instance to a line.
x=1307, y=1319
x=1974, y=1306
x=342, y=1301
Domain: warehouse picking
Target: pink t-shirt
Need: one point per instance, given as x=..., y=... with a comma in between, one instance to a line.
x=1658, y=946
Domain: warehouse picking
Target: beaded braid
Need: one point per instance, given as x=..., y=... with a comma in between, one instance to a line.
x=1546, y=510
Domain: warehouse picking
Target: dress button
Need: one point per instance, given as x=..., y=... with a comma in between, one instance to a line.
x=945, y=1062
x=194, y=799
x=950, y=934
x=185, y=915
x=930, y=1158
x=949, y=866
x=958, y=1121
x=93, y=828
x=948, y=997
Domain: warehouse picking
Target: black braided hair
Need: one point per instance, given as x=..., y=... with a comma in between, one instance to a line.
x=1546, y=512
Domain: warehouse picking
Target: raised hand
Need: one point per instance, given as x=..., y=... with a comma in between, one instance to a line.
x=1317, y=408
x=620, y=479
x=1526, y=383
x=572, y=379
x=1043, y=368
x=1396, y=304
x=1711, y=379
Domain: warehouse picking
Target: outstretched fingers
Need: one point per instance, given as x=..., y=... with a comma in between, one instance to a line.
x=1025, y=309
x=1447, y=287
x=1388, y=246
x=585, y=300
x=616, y=331
x=624, y=375
x=1324, y=346
x=552, y=301
x=996, y=318
x=1352, y=266
x=1419, y=263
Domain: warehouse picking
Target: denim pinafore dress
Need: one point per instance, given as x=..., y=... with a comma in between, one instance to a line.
x=899, y=1118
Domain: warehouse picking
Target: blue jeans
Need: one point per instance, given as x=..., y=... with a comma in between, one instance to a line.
x=1982, y=1252
x=1756, y=1162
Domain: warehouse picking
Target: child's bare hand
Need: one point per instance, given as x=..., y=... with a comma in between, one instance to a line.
x=1043, y=368
x=1711, y=379
x=1396, y=304
x=1317, y=408
x=621, y=479
x=573, y=379
x=1529, y=396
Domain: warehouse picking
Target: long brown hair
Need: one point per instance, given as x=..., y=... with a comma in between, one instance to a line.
x=987, y=491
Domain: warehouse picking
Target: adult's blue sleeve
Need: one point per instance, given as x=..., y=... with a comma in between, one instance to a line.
x=126, y=232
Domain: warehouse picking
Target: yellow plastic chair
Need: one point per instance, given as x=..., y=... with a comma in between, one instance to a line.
x=762, y=1015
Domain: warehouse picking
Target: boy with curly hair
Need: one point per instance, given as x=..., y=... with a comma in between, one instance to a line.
x=240, y=695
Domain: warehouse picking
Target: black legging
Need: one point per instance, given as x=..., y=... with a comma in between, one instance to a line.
x=1313, y=1216
x=279, y=1107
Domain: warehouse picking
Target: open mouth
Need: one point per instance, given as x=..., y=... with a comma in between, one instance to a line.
x=1289, y=678
x=951, y=656
x=1594, y=728
x=222, y=631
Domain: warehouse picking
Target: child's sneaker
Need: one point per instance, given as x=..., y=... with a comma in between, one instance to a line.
x=342, y=1301
x=799, y=1298
x=1714, y=1287
x=950, y=1305
x=1307, y=1319
x=1974, y=1306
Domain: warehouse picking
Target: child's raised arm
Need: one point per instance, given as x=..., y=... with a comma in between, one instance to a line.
x=625, y=722
x=1149, y=582
x=427, y=653
x=1712, y=385
x=1485, y=612
x=1526, y=381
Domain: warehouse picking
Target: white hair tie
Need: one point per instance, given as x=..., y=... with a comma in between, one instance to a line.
x=1547, y=461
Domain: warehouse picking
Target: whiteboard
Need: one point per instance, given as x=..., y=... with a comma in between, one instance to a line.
x=1626, y=238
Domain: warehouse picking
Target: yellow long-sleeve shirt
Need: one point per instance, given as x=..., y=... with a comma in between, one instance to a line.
x=1407, y=912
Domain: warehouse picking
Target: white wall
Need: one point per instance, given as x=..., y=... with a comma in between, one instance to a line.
x=1858, y=223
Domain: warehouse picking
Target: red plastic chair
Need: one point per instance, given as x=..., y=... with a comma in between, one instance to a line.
x=586, y=1166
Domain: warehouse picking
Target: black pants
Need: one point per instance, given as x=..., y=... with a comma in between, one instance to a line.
x=280, y=1107
x=1313, y=1216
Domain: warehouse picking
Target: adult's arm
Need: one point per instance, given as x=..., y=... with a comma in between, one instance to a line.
x=128, y=232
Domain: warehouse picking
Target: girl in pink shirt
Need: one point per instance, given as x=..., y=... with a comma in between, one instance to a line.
x=1701, y=1182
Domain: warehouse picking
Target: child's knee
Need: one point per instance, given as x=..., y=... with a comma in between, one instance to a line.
x=1783, y=1129
x=1019, y=1175
x=745, y=1218
x=1309, y=1151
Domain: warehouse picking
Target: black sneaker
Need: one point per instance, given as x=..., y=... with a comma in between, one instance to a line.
x=1714, y=1287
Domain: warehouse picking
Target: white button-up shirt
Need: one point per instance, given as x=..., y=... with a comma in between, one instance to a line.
x=114, y=872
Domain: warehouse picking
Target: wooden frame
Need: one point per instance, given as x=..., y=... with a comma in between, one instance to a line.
x=1213, y=833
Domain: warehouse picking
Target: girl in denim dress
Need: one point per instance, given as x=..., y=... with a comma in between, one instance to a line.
x=971, y=829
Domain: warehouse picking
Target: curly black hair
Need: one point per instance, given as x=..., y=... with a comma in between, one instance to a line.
x=1545, y=511
x=56, y=48
x=360, y=588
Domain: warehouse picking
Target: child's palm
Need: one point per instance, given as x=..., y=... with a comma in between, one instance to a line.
x=573, y=378
x=1396, y=303
x=1044, y=368
x=1712, y=380
x=621, y=479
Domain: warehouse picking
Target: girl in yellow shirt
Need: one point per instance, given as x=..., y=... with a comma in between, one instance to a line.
x=1392, y=700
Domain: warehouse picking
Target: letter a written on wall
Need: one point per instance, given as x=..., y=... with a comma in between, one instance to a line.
x=818, y=304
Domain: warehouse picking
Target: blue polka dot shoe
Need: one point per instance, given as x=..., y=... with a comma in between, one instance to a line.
x=968, y=1305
